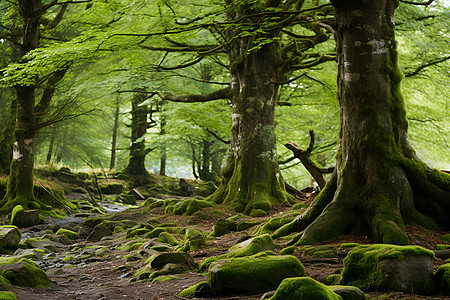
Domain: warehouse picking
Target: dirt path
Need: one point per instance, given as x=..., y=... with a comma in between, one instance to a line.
x=99, y=270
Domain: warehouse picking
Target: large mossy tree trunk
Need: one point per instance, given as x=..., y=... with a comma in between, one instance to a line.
x=139, y=125
x=252, y=181
x=20, y=181
x=379, y=184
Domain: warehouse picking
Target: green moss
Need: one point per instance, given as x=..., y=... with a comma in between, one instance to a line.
x=163, y=278
x=255, y=274
x=136, y=246
x=333, y=279
x=304, y=288
x=288, y=250
x=167, y=238
x=127, y=246
x=256, y=213
x=252, y=246
x=156, y=232
x=5, y=295
x=442, y=247
x=442, y=276
x=25, y=273
x=201, y=287
x=446, y=237
x=344, y=246
x=161, y=248
x=222, y=227
x=69, y=233
x=361, y=265
x=67, y=258
x=323, y=251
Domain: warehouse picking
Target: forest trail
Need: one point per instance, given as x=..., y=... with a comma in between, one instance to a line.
x=84, y=269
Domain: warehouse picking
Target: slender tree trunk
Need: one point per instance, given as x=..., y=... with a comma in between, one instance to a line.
x=163, y=150
x=379, y=184
x=112, y=163
x=204, y=171
x=51, y=145
x=252, y=180
x=139, y=125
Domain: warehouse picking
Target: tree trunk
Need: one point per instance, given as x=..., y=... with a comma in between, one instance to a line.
x=20, y=181
x=7, y=139
x=379, y=184
x=252, y=180
x=112, y=163
x=51, y=145
x=139, y=125
x=163, y=149
x=204, y=171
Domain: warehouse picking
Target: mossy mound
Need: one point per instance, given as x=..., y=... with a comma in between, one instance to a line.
x=323, y=251
x=5, y=284
x=253, y=274
x=238, y=222
x=446, y=237
x=112, y=188
x=68, y=233
x=9, y=238
x=274, y=223
x=25, y=273
x=442, y=276
x=348, y=292
x=198, y=290
x=389, y=267
x=246, y=248
x=304, y=288
x=24, y=218
x=185, y=207
x=442, y=247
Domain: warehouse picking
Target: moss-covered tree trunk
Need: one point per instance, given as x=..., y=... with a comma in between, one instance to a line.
x=252, y=181
x=20, y=181
x=139, y=125
x=379, y=184
x=7, y=139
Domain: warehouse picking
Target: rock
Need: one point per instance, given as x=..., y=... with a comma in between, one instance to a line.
x=168, y=269
x=254, y=274
x=68, y=233
x=442, y=276
x=112, y=188
x=200, y=289
x=24, y=218
x=25, y=273
x=222, y=227
x=252, y=246
x=5, y=284
x=98, y=233
x=179, y=258
x=48, y=245
x=446, y=237
x=407, y=269
x=127, y=199
x=348, y=292
x=304, y=288
x=9, y=238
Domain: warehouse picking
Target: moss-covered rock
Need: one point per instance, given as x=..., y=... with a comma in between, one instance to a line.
x=179, y=258
x=112, y=188
x=446, y=237
x=9, y=238
x=322, y=251
x=442, y=247
x=24, y=218
x=348, y=292
x=304, y=288
x=68, y=233
x=223, y=226
x=168, y=238
x=252, y=246
x=5, y=284
x=253, y=274
x=388, y=267
x=200, y=289
x=442, y=277
x=25, y=273
x=333, y=279
x=190, y=206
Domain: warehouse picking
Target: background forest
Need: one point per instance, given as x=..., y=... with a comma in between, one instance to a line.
x=113, y=52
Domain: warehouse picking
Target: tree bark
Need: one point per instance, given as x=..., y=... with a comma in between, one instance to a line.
x=50, y=145
x=139, y=125
x=112, y=163
x=252, y=181
x=7, y=139
x=379, y=184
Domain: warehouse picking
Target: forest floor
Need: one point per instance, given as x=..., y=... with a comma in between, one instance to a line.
x=102, y=270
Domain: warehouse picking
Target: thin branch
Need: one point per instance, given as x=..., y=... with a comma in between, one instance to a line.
x=216, y=95
x=420, y=68
x=417, y=3
x=218, y=137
